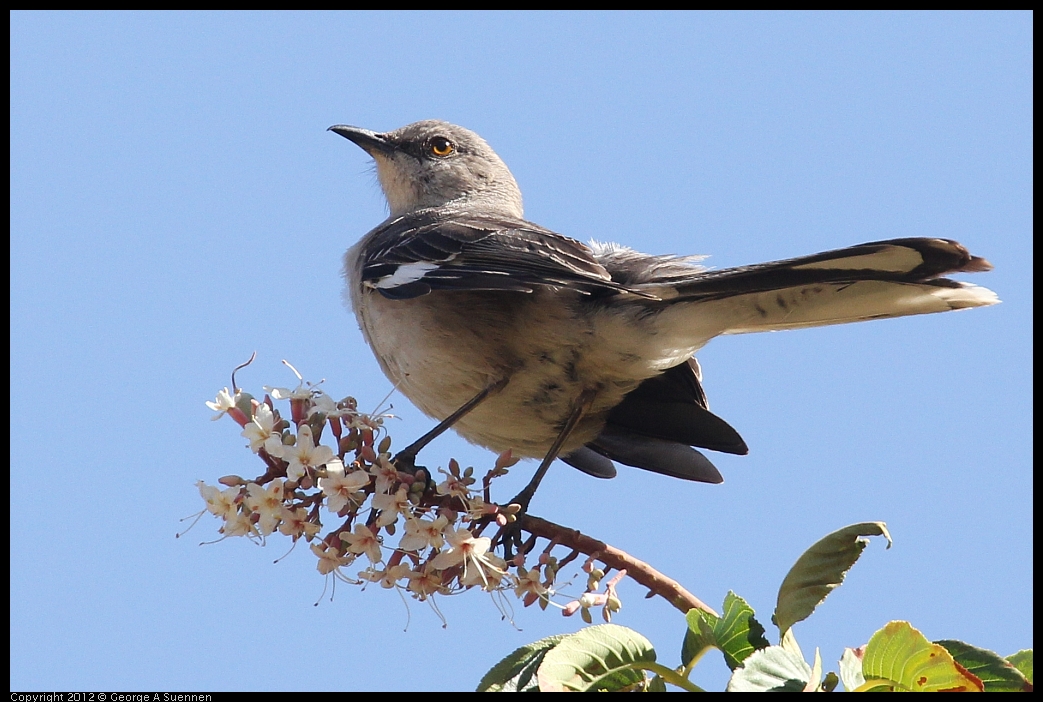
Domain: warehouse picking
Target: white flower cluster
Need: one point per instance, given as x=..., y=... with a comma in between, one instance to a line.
x=357, y=490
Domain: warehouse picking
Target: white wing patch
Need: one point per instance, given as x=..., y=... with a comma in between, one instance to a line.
x=405, y=274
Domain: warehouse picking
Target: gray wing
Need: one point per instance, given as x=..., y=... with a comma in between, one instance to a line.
x=435, y=250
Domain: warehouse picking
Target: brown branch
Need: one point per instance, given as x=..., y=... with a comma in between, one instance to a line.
x=646, y=575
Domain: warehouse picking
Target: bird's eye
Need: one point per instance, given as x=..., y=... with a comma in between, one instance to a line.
x=440, y=146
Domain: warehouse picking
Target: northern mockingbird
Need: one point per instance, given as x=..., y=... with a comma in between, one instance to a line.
x=521, y=338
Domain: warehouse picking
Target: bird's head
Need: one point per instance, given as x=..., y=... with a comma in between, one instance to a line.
x=434, y=163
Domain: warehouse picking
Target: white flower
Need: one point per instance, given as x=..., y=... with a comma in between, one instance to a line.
x=426, y=583
x=364, y=540
x=219, y=502
x=385, y=472
x=389, y=577
x=321, y=402
x=261, y=432
x=395, y=573
x=329, y=559
x=305, y=454
x=366, y=421
x=238, y=525
x=223, y=403
x=422, y=533
x=298, y=393
x=480, y=566
x=343, y=488
x=267, y=503
x=528, y=585
x=296, y=523
x=391, y=506
x=456, y=484
x=487, y=573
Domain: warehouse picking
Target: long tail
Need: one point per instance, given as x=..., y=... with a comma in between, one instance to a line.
x=658, y=424
x=870, y=281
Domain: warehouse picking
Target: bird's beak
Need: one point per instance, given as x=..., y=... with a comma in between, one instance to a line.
x=370, y=142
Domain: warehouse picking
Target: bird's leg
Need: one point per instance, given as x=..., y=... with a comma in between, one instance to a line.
x=405, y=459
x=580, y=408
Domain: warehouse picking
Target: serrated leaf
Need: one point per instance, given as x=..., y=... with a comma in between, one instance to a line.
x=820, y=569
x=772, y=669
x=1022, y=660
x=900, y=657
x=517, y=671
x=739, y=633
x=851, y=669
x=599, y=657
x=997, y=674
x=736, y=632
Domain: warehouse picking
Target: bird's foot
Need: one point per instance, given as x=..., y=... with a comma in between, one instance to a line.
x=405, y=462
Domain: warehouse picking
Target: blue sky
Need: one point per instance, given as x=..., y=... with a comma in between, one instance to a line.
x=177, y=204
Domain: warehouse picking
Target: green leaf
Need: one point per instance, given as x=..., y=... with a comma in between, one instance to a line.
x=997, y=674
x=819, y=570
x=603, y=657
x=772, y=669
x=517, y=672
x=735, y=632
x=900, y=658
x=699, y=637
x=1022, y=660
